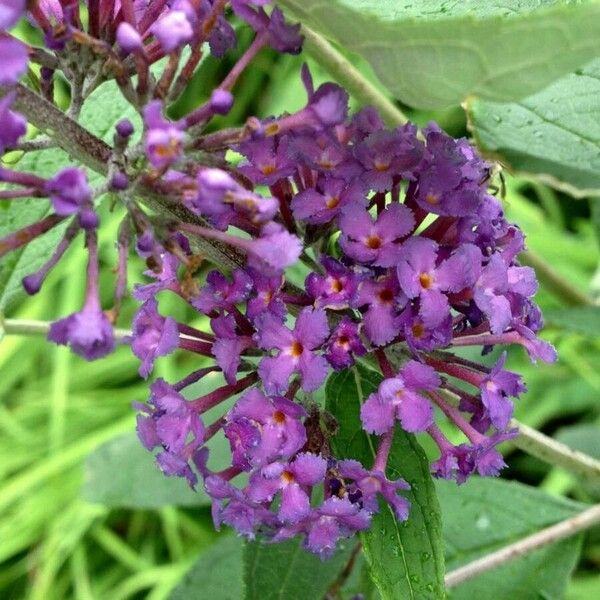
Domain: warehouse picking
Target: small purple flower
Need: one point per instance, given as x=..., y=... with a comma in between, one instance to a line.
x=169, y=422
x=323, y=203
x=387, y=154
x=153, y=336
x=261, y=430
x=283, y=36
x=421, y=337
x=266, y=296
x=295, y=350
x=306, y=470
x=344, y=344
x=14, y=59
x=367, y=485
x=88, y=332
x=398, y=398
x=12, y=125
x=335, y=519
x=382, y=299
x=228, y=346
x=450, y=182
x=268, y=160
x=374, y=243
x=220, y=294
x=420, y=276
x=275, y=249
x=334, y=290
x=70, y=192
x=163, y=141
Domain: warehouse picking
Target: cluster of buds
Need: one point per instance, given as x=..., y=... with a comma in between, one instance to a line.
x=410, y=257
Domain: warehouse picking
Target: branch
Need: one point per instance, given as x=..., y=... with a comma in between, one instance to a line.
x=560, y=531
x=351, y=78
x=555, y=453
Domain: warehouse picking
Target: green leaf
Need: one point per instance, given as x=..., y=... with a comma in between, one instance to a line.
x=216, y=576
x=434, y=53
x=484, y=515
x=287, y=571
x=554, y=134
x=580, y=319
x=122, y=473
x=405, y=559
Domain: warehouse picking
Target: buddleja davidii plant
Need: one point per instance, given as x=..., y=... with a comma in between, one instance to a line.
x=414, y=259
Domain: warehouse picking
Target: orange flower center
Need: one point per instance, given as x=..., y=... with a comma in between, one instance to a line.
x=432, y=199
x=373, y=242
x=279, y=417
x=418, y=330
x=332, y=202
x=287, y=477
x=386, y=296
x=425, y=279
x=296, y=349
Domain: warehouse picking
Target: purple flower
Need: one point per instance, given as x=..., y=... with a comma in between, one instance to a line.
x=421, y=337
x=153, y=336
x=420, y=277
x=450, y=182
x=323, y=203
x=335, y=519
x=398, y=398
x=163, y=140
x=165, y=275
x=268, y=160
x=12, y=125
x=71, y=194
x=295, y=350
x=382, y=299
x=10, y=12
x=228, y=346
x=367, y=485
x=343, y=344
x=283, y=36
x=266, y=296
x=291, y=479
x=220, y=197
x=87, y=332
x=374, y=243
x=274, y=250
x=169, y=422
x=334, y=290
x=387, y=154
x=14, y=59
x=261, y=430
x=220, y=294
x=494, y=391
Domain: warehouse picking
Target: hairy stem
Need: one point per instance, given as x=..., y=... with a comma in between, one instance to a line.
x=560, y=531
x=555, y=453
x=343, y=71
x=555, y=283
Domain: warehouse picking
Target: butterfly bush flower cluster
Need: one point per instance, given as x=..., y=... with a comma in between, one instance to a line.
x=409, y=258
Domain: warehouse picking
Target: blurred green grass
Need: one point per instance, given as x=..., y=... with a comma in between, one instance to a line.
x=55, y=409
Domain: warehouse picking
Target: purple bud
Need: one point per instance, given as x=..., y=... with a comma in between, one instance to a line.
x=221, y=101
x=172, y=30
x=119, y=181
x=69, y=191
x=128, y=38
x=88, y=219
x=125, y=128
x=33, y=283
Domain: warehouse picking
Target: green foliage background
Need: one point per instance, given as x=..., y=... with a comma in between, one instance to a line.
x=67, y=530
